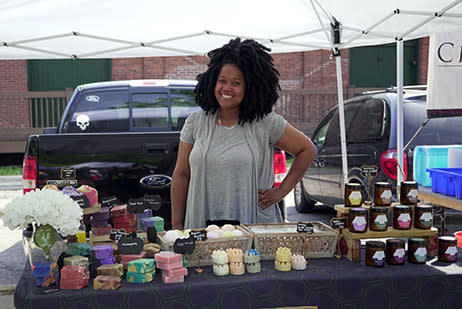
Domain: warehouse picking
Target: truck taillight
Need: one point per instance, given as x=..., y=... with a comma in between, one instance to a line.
x=280, y=168
x=388, y=161
x=29, y=174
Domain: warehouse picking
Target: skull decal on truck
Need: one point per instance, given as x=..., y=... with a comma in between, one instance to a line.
x=82, y=121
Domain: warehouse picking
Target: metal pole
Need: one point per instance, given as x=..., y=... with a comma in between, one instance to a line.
x=341, y=113
x=399, y=114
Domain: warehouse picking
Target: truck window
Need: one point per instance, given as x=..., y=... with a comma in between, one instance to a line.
x=150, y=110
x=101, y=111
x=183, y=103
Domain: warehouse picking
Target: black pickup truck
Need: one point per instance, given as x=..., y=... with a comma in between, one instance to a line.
x=119, y=137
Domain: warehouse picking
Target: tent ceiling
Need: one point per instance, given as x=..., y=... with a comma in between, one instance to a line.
x=139, y=28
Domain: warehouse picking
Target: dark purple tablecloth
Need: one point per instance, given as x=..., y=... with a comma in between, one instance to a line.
x=327, y=283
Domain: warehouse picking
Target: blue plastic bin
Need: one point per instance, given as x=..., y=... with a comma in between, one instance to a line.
x=426, y=157
x=447, y=181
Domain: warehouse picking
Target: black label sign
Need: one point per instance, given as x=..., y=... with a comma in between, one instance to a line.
x=338, y=223
x=63, y=183
x=184, y=245
x=67, y=173
x=152, y=234
x=135, y=206
x=116, y=234
x=109, y=201
x=82, y=200
x=369, y=170
x=305, y=227
x=153, y=202
x=130, y=245
x=199, y=235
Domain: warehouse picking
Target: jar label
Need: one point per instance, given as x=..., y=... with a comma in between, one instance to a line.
x=381, y=221
x=359, y=223
x=451, y=253
x=420, y=254
x=404, y=220
x=386, y=196
x=378, y=258
x=355, y=198
x=399, y=255
x=412, y=196
x=426, y=219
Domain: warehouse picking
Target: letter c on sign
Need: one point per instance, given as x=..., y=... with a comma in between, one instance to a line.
x=439, y=51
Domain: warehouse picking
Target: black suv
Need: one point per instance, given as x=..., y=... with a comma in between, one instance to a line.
x=370, y=124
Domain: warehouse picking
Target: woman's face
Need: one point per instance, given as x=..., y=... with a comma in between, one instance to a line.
x=230, y=87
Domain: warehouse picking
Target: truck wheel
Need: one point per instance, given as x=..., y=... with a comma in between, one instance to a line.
x=302, y=204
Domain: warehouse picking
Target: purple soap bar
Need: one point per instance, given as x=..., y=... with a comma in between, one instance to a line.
x=103, y=251
x=103, y=214
x=98, y=223
x=109, y=260
x=146, y=223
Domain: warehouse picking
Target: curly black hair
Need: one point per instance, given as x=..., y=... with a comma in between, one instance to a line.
x=261, y=78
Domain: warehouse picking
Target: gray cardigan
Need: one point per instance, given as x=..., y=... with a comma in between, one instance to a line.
x=260, y=144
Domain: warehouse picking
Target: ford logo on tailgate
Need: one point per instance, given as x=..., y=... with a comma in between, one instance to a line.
x=156, y=181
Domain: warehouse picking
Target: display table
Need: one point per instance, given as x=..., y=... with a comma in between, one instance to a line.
x=427, y=195
x=326, y=283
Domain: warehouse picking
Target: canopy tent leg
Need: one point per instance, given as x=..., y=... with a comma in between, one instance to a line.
x=399, y=114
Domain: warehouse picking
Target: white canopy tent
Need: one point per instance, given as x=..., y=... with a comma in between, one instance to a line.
x=143, y=28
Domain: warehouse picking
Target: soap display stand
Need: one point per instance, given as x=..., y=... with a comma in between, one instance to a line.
x=350, y=243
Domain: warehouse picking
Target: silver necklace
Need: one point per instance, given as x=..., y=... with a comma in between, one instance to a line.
x=226, y=127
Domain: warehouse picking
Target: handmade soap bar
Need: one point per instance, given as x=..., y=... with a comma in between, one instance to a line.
x=73, y=284
x=46, y=274
x=130, y=257
x=146, y=223
x=118, y=210
x=102, y=282
x=100, y=231
x=168, y=257
x=176, y=272
x=219, y=257
x=298, y=262
x=90, y=193
x=283, y=259
x=111, y=270
x=221, y=269
x=103, y=251
x=236, y=268
x=109, y=260
x=235, y=255
x=101, y=215
x=76, y=260
x=78, y=249
x=139, y=277
x=251, y=256
x=168, y=280
x=158, y=223
x=73, y=272
x=151, y=249
x=169, y=265
x=141, y=266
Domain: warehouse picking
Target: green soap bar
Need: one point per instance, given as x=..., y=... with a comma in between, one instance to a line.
x=78, y=249
x=141, y=266
x=139, y=278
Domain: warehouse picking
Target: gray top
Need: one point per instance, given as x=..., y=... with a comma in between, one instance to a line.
x=228, y=167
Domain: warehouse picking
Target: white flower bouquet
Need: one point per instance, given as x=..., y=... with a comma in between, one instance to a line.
x=42, y=207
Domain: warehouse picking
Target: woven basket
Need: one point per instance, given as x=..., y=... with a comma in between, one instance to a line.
x=268, y=237
x=205, y=248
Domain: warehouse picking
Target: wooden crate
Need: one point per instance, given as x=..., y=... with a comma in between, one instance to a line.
x=205, y=248
x=268, y=237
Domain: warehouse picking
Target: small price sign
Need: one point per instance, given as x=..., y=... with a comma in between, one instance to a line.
x=184, y=245
x=338, y=223
x=369, y=170
x=199, y=235
x=303, y=227
x=109, y=201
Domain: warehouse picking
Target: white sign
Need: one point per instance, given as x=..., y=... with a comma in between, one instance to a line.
x=444, y=75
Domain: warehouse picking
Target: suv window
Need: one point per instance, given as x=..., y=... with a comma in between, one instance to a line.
x=333, y=132
x=102, y=111
x=368, y=122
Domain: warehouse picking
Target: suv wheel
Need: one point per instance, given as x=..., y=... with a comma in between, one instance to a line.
x=302, y=204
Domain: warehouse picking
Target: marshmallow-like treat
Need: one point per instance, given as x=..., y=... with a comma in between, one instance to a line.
x=221, y=269
x=213, y=235
x=235, y=255
x=236, y=268
x=51, y=187
x=251, y=256
x=298, y=262
x=102, y=282
x=227, y=228
x=111, y=270
x=90, y=193
x=219, y=257
x=227, y=234
x=186, y=233
x=283, y=254
x=237, y=233
x=141, y=266
x=172, y=235
x=212, y=227
x=135, y=277
x=168, y=280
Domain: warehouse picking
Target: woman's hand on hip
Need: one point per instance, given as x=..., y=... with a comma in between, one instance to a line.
x=269, y=197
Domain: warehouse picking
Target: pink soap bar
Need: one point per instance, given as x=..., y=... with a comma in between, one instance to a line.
x=167, y=280
x=74, y=272
x=90, y=193
x=73, y=284
x=130, y=257
x=169, y=266
x=100, y=231
x=175, y=272
x=168, y=257
x=118, y=210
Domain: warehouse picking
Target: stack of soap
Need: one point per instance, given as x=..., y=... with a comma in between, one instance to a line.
x=147, y=213
x=104, y=253
x=90, y=193
x=151, y=249
x=252, y=261
x=78, y=249
x=140, y=270
x=77, y=260
x=283, y=259
x=220, y=262
x=157, y=222
x=236, y=261
x=99, y=224
x=298, y=262
x=122, y=220
x=73, y=278
x=46, y=274
x=172, y=266
x=130, y=257
x=111, y=270
x=103, y=282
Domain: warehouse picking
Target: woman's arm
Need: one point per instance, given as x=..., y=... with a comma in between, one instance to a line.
x=180, y=185
x=303, y=150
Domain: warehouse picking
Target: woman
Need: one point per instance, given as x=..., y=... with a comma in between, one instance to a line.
x=224, y=169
